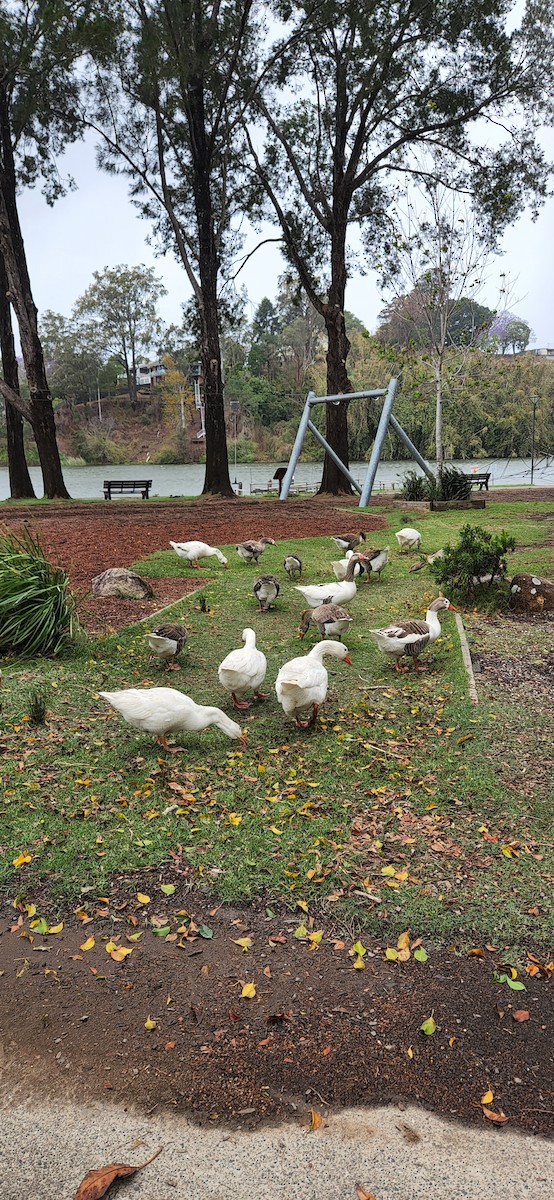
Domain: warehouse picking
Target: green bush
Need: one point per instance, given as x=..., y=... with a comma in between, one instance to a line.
x=415, y=487
x=477, y=559
x=37, y=609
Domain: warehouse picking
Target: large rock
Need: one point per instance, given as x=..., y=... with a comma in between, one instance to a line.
x=530, y=594
x=121, y=583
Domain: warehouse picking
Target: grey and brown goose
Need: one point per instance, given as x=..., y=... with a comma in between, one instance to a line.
x=166, y=642
x=348, y=541
x=411, y=636
x=293, y=566
x=266, y=589
x=251, y=551
x=330, y=619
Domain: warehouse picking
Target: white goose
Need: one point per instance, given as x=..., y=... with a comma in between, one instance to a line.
x=340, y=566
x=411, y=636
x=377, y=560
x=408, y=537
x=244, y=670
x=336, y=592
x=302, y=682
x=162, y=710
x=192, y=551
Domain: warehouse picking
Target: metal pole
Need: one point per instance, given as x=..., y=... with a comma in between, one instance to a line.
x=378, y=443
x=319, y=437
x=534, y=402
x=400, y=432
x=235, y=447
x=295, y=454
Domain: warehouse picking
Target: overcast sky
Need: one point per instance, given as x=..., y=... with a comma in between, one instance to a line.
x=97, y=227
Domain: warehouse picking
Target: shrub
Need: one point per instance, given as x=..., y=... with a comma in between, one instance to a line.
x=37, y=609
x=452, y=484
x=415, y=487
x=478, y=558
x=37, y=703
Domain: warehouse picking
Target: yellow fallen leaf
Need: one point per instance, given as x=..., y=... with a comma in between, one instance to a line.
x=149, y=1023
x=488, y=1097
x=315, y=1119
x=120, y=953
x=30, y=910
x=90, y=942
x=387, y=871
x=452, y=1039
x=55, y=928
x=410, y=1052
x=245, y=943
x=315, y=938
x=359, y=964
x=391, y=954
x=21, y=859
x=277, y=832
x=302, y=904
x=404, y=941
x=142, y=899
x=249, y=991
x=235, y=818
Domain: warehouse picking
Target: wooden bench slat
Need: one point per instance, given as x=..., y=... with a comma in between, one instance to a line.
x=480, y=477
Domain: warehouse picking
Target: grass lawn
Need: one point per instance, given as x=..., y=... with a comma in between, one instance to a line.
x=405, y=803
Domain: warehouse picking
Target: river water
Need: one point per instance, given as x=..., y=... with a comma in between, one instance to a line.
x=86, y=483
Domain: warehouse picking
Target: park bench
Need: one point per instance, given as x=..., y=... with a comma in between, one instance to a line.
x=121, y=487
x=480, y=477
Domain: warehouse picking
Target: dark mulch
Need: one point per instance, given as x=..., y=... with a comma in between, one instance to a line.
x=317, y=1034
x=536, y=673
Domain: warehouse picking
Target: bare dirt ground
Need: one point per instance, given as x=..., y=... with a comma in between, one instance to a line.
x=317, y=1033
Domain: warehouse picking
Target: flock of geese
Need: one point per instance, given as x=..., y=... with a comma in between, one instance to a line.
x=301, y=684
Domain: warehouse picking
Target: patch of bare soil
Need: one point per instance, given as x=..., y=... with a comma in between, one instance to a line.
x=533, y=675
x=317, y=1033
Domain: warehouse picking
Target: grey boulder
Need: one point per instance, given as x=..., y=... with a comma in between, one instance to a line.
x=122, y=584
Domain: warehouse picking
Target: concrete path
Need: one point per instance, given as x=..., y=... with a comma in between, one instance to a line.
x=46, y=1149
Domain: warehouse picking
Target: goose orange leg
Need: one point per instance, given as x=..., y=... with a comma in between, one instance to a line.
x=240, y=703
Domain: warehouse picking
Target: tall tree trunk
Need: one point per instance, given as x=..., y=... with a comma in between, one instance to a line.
x=15, y=262
x=338, y=383
x=21, y=487
x=217, y=478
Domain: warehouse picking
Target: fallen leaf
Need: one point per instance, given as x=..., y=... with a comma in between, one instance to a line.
x=421, y=954
x=90, y=942
x=149, y=1023
x=142, y=898
x=22, y=859
x=204, y=931
x=245, y=943
x=428, y=1026
x=362, y=1194
x=315, y=1119
x=498, y=1118
x=520, y=1015
x=248, y=991
x=96, y=1182
x=487, y=1098
x=403, y=941
x=167, y=888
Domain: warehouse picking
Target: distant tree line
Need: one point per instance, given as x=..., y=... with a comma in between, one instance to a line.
x=307, y=115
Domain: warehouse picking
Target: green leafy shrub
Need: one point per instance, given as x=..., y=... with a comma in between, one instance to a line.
x=37, y=609
x=37, y=704
x=478, y=558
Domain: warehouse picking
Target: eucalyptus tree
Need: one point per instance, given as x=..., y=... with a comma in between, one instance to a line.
x=118, y=316
x=21, y=486
x=40, y=44
x=167, y=112
x=355, y=89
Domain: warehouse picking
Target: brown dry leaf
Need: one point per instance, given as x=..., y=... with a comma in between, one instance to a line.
x=403, y=941
x=520, y=1015
x=498, y=1118
x=315, y=1119
x=476, y=953
x=96, y=1182
x=362, y=1194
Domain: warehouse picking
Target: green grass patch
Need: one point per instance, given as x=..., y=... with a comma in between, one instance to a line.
x=393, y=812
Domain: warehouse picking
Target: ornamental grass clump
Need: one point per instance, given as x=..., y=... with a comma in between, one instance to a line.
x=37, y=609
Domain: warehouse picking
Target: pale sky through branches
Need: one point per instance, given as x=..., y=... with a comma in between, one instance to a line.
x=97, y=226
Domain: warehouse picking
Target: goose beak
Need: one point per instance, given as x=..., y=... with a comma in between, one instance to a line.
x=242, y=741
x=451, y=605
x=347, y=659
